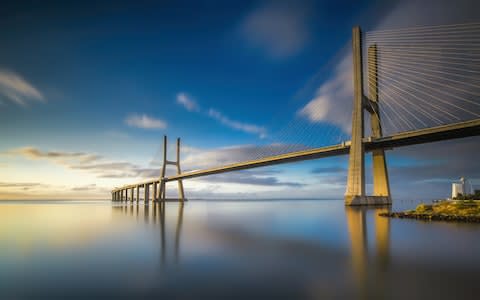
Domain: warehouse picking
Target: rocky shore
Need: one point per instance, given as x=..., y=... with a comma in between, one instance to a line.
x=453, y=211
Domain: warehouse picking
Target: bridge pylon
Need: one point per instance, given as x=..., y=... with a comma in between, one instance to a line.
x=162, y=182
x=355, y=192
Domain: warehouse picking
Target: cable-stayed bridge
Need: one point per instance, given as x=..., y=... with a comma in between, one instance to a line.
x=423, y=86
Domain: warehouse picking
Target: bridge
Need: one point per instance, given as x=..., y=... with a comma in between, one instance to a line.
x=420, y=67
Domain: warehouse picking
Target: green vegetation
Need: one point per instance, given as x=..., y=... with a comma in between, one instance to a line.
x=474, y=196
x=455, y=210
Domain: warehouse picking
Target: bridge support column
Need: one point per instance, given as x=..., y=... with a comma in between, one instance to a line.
x=355, y=192
x=162, y=181
x=161, y=193
x=162, y=174
x=181, y=192
x=381, y=186
x=154, y=195
x=146, y=188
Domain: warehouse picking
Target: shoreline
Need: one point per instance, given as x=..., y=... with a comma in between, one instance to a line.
x=432, y=217
x=465, y=211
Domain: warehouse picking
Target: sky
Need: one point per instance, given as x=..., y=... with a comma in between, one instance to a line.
x=88, y=89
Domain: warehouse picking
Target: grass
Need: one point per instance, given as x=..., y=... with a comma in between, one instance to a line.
x=457, y=210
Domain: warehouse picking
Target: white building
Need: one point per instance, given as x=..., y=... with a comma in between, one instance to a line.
x=463, y=187
x=457, y=188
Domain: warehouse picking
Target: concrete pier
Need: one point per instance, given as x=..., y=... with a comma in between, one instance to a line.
x=356, y=166
x=355, y=193
x=381, y=185
x=146, y=193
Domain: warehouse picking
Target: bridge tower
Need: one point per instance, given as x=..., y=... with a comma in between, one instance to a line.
x=355, y=193
x=162, y=190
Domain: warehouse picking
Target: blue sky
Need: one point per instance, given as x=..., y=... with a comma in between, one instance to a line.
x=88, y=90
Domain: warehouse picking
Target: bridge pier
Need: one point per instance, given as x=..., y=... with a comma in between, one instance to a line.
x=146, y=190
x=154, y=195
x=355, y=192
x=162, y=181
x=381, y=185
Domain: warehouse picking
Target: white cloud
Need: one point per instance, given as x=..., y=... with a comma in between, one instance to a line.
x=245, y=127
x=16, y=89
x=280, y=28
x=189, y=104
x=145, y=122
x=332, y=102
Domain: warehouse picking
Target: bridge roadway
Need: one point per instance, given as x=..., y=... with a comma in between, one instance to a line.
x=407, y=138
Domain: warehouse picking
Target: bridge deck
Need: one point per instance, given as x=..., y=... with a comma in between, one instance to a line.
x=421, y=136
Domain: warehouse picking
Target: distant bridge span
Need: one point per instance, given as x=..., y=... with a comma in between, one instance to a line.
x=408, y=138
x=421, y=136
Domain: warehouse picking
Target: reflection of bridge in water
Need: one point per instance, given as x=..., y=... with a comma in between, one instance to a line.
x=156, y=214
x=360, y=259
x=364, y=264
x=423, y=82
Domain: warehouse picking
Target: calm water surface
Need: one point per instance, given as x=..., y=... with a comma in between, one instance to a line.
x=295, y=249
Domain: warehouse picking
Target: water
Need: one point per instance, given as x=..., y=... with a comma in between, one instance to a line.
x=296, y=249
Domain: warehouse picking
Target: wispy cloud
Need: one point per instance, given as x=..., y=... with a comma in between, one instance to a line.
x=193, y=158
x=17, y=90
x=22, y=185
x=34, y=153
x=196, y=158
x=279, y=28
x=187, y=102
x=145, y=122
x=245, y=127
x=87, y=187
x=328, y=170
x=253, y=178
x=88, y=162
x=191, y=105
x=118, y=169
